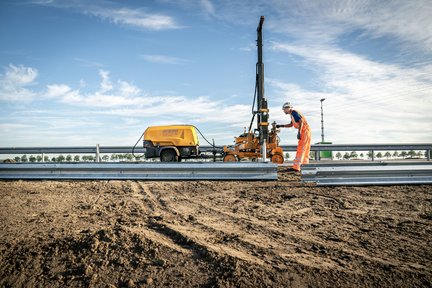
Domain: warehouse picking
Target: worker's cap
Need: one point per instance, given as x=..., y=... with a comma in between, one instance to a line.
x=287, y=105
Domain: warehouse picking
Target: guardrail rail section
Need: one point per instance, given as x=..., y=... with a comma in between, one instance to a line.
x=141, y=171
x=317, y=148
x=387, y=173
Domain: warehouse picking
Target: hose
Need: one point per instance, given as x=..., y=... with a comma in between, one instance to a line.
x=254, y=98
x=133, y=149
x=211, y=144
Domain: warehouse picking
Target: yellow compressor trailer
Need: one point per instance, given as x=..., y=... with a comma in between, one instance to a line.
x=171, y=143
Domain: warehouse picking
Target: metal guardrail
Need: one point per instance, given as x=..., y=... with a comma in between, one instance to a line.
x=386, y=173
x=70, y=150
x=140, y=171
x=128, y=149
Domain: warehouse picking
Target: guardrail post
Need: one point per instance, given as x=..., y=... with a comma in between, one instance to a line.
x=97, y=153
x=428, y=153
x=43, y=157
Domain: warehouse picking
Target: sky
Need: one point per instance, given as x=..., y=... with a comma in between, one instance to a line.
x=81, y=73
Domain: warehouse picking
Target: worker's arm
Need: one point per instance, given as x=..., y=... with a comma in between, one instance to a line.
x=284, y=125
x=300, y=129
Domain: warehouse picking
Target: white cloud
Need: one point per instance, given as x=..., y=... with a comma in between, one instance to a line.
x=135, y=17
x=208, y=7
x=126, y=89
x=325, y=21
x=87, y=63
x=20, y=75
x=162, y=59
x=14, y=81
x=407, y=20
x=56, y=90
x=106, y=84
x=10, y=127
x=364, y=99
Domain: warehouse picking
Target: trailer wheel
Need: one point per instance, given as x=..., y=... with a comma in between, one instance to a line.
x=168, y=155
x=229, y=158
x=277, y=158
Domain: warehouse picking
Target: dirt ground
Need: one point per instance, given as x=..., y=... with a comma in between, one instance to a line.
x=214, y=234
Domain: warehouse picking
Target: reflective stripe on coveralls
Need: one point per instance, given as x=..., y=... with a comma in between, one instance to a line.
x=303, y=147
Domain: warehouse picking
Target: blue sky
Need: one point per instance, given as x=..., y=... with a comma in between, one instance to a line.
x=76, y=72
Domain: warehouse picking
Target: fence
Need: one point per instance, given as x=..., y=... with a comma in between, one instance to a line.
x=317, y=148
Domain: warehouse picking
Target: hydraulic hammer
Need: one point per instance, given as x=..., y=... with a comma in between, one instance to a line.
x=262, y=107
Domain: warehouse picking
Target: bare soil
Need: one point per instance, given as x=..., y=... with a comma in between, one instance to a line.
x=214, y=234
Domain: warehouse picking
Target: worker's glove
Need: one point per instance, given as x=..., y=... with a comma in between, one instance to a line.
x=298, y=135
x=278, y=126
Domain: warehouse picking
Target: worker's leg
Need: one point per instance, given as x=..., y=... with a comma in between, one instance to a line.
x=307, y=143
x=303, y=149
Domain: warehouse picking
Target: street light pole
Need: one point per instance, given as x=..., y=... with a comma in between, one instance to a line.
x=322, y=121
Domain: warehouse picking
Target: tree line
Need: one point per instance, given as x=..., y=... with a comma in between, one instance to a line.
x=128, y=157
x=379, y=155
x=76, y=158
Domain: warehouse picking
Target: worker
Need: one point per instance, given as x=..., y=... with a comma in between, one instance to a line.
x=303, y=135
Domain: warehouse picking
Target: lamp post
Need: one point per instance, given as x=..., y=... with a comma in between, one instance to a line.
x=322, y=121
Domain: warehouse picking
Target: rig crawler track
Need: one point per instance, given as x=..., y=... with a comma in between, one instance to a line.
x=386, y=173
x=141, y=171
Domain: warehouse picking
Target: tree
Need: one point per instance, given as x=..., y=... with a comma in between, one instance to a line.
x=60, y=158
x=39, y=158
x=338, y=155
x=54, y=159
x=346, y=156
x=287, y=155
x=354, y=154
x=403, y=154
x=69, y=158
x=412, y=153
x=361, y=155
x=105, y=158
x=311, y=155
x=114, y=157
x=77, y=158
x=129, y=157
x=32, y=159
x=24, y=158
x=387, y=155
x=370, y=154
x=379, y=155
x=46, y=159
x=17, y=159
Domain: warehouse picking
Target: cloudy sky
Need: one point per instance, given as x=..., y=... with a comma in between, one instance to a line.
x=75, y=72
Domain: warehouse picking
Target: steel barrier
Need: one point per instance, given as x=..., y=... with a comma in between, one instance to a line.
x=386, y=173
x=98, y=149
x=140, y=171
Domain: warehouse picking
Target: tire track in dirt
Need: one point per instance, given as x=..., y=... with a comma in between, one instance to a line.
x=215, y=236
x=220, y=221
x=167, y=221
x=263, y=239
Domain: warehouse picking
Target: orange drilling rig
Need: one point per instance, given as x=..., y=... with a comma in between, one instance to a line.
x=260, y=143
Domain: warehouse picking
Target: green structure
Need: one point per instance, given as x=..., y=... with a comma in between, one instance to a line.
x=326, y=154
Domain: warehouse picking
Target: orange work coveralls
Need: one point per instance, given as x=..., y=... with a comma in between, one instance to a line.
x=303, y=147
